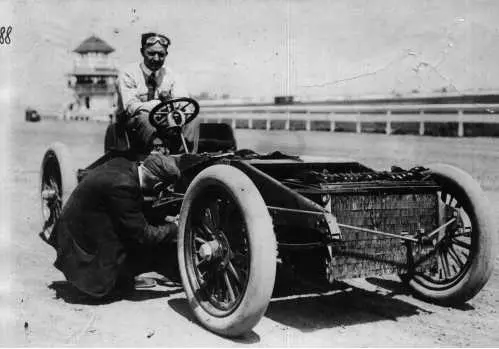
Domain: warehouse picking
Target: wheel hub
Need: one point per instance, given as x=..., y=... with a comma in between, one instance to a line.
x=217, y=249
x=210, y=250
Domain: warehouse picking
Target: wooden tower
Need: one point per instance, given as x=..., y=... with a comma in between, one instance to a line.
x=93, y=80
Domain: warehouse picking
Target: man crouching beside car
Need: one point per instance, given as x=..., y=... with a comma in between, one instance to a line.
x=102, y=238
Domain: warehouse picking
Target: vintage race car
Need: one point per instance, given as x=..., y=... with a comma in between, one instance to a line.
x=242, y=212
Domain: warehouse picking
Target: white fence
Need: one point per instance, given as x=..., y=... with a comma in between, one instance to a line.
x=437, y=119
x=455, y=116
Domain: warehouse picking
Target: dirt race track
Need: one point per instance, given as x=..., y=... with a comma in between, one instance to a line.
x=39, y=309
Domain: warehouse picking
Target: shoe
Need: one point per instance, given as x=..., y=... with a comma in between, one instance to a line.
x=168, y=282
x=141, y=282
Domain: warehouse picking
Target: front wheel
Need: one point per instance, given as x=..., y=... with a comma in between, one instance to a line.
x=227, y=251
x=57, y=181
x=461, y=258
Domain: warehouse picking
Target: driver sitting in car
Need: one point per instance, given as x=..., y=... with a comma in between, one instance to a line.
x=142, y=86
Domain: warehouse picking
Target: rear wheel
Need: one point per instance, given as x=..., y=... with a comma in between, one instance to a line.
x=461, y=260
x=57, y=180
x=227, y=251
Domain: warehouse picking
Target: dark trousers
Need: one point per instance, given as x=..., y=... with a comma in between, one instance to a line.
x=141, y=132
x=161, y=258
x=159, y=254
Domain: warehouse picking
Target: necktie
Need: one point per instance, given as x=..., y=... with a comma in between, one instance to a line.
x=151, y=87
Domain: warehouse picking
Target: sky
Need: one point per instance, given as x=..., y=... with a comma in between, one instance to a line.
x=259, y=49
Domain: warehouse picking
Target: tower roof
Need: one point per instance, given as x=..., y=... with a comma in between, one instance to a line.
x=94, y=44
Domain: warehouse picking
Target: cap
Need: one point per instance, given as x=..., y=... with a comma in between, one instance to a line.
x=162, y=167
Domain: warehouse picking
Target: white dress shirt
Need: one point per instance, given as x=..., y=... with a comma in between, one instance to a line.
x=133, y=90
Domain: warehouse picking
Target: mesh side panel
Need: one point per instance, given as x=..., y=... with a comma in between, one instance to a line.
x=363, y=254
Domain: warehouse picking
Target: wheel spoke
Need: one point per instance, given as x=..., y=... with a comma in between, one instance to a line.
x=235, y=273
x=206, y=218
x=200, y=240
x=241, y=267
x=440, y=267
x=444, y=197
x=230, y=290
x=203, y=276
x=206, y=232
x=214, y=210
x=462, y=244
x=464, y=255
x=466, y=232
x=215, y=213
x=210, y=217
x=199, y=263
x=454, y=256
x=209, y=286
x=445, y=265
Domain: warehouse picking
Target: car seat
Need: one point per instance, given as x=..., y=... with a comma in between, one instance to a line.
x=215, y=137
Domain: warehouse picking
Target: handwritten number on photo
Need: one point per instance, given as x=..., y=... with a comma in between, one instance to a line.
x=5, y=35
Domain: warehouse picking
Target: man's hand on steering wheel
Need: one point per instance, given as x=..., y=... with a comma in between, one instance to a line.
x=165, y=96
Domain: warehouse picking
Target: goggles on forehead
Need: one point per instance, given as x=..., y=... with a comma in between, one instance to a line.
x=155, y=39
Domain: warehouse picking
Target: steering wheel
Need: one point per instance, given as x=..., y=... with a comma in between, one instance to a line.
x=174, y=113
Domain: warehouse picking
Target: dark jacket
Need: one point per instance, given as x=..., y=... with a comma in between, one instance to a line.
x=100, y=221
